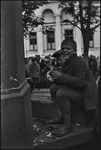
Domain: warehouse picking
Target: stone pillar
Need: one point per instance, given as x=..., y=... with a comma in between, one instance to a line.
x=16, y=113
x=40, y=40
x=58, y=32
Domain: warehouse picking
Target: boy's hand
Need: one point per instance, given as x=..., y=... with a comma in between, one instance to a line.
x=55, y=74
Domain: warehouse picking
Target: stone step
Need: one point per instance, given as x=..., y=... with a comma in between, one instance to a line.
x=42, y=90
x=42, y=106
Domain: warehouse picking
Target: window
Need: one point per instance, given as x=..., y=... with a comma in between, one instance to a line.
x=91, y=42
x=33, y=41
x=50, y=40
x=69, y=34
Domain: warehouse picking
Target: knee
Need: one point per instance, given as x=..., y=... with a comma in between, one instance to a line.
x=59, y=93
x=62, y=99
x=53, y=88
x=59, y=96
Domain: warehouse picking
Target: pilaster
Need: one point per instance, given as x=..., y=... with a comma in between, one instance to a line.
x=16, y=115
x=40, y=40
x=58, y=32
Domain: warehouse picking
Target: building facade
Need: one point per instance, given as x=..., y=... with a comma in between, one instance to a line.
x=41, y=44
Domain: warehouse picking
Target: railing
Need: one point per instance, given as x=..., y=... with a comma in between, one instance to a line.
x=43, y=86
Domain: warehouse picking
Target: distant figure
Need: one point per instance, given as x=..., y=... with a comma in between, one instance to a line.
x=73, y=84
x=93, y=64
x=34, y=70
x=42, y=64
x=98, y=64
x=29, y=61
x=26, y=67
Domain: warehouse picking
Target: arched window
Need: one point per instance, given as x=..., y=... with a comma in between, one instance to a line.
x=48, y=16
x=65, y=15
x=49, y=19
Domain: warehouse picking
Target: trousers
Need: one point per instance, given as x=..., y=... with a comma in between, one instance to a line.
x=64, y=97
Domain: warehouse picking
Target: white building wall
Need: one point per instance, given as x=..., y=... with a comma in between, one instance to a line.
x=59, y=34
x=97, y=38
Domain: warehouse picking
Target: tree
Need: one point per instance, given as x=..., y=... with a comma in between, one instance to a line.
x=30, y=20
x=87, y=15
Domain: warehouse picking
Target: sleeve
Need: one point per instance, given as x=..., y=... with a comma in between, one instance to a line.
x=75, y=81
x=30, y=69
x=39, y=67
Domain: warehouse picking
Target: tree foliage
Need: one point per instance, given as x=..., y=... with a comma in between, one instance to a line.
x=30, y=20
x=86, y=16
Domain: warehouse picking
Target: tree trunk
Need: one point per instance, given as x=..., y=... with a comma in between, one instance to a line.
x=86, y=45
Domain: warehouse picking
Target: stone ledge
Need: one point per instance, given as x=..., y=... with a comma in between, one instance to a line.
x=44, y=109
x=42, y=99
x=42, y=106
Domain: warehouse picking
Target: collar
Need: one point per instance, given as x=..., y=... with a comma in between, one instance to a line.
x=68, y=61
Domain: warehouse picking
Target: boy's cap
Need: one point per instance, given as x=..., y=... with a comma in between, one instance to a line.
x=57, y=53
x=69, y=42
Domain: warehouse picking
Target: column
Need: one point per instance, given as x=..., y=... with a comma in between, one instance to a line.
x=58, y=32
x=16, y=115
x=40, y=40
x=78, y=39
x=26, y=46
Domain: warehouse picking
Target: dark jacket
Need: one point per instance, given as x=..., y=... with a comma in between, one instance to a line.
x=34, y=70
x=76, y=75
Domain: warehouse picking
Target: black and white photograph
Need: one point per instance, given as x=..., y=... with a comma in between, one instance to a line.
x=50, y=74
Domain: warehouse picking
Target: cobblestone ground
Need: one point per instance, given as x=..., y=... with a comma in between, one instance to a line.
x=41, y=132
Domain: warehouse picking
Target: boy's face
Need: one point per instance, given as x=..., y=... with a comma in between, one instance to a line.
x=68, y=51
x=60, y=60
